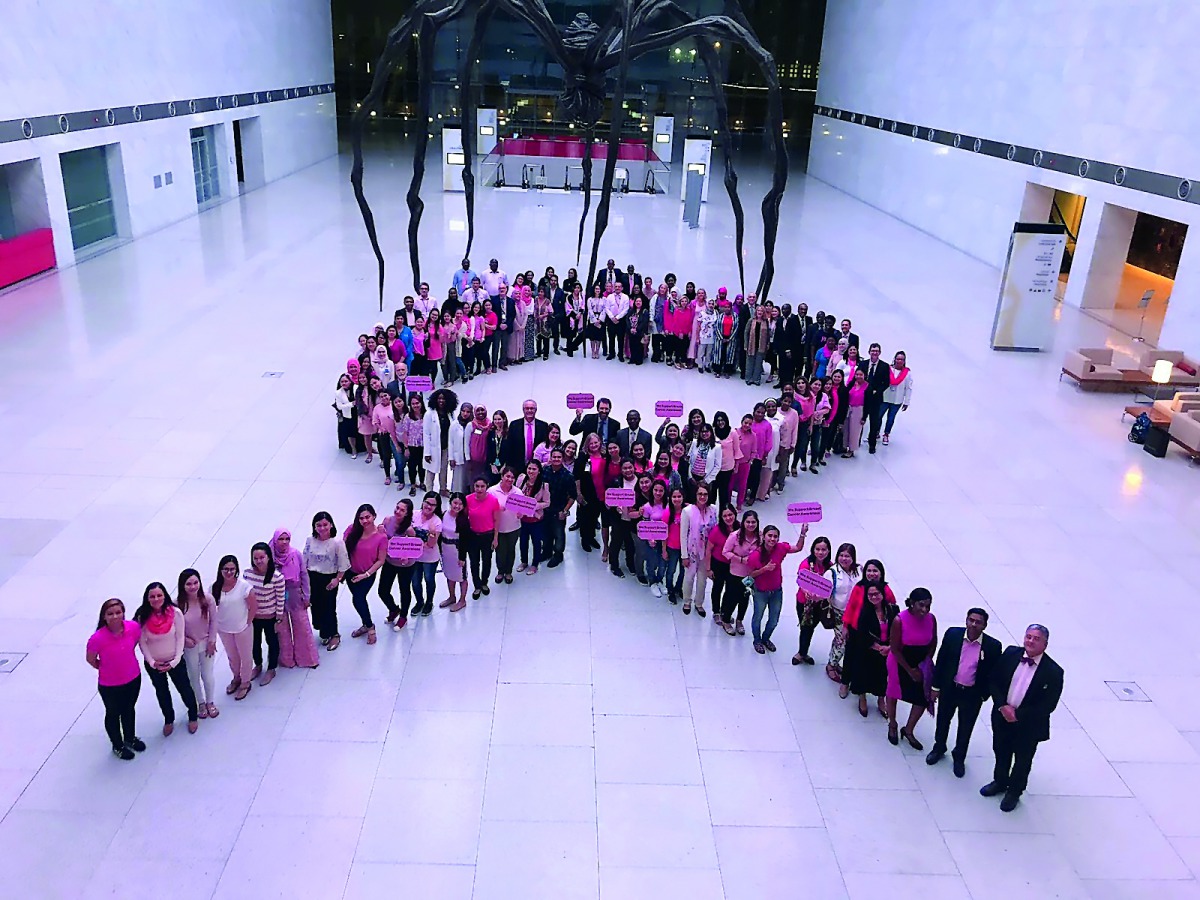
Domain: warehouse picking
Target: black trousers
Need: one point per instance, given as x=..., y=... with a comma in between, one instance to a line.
x=120, y=702
x=324, y=605
x=724, y=487
x=787, y=369
x=620, y=537
x=479, y=552
x=555, y=536
x=589, y=520
x=614, y=339
x=735, y=596
x=183, y=684
x=719, y=573
x=262, y=627
x=390, y=575
x=874, y=413
x=1014, y=751
x=656, y=348
x=348, y=436
x=966, y=702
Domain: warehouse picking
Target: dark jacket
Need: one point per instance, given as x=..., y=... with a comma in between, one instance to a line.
x=789, y=336
x=946, y=666
x=512, y=448
x=1033, y=715
x=588, y=425
x=877, y=385
x=642, y=437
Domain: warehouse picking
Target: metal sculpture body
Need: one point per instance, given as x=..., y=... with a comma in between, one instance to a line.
x=589, y=54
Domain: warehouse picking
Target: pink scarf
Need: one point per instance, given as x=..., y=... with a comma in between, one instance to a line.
x=897, y=377
x=289, y=563
x=161, y=622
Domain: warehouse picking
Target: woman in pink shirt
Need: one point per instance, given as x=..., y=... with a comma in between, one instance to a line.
x=653, y=553
x=767, y=572
x=427, y=525
x=673, y=546
x=366, y=543
x=731, y=452
x=297, y=645
x=816, y=426
x=161, y=643
x=696, y=523
x=110, y=652
x=483, y=516
x=854, y=420
x=727, y=522
x=804, y=404
x=739, y=548
x=764, y=444
x=433, y=344
x=199, y=640
x=745, y=441
x=809, y=606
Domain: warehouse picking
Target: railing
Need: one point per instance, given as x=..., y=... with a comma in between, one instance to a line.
x=658, y=177
x=1057, y=218
x=491, y=167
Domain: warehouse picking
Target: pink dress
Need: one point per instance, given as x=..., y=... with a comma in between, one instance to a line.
x=916, y=635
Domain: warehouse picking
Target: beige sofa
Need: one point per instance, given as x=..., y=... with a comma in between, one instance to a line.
x=1090, y=364
x=1185, y=429
x=1148, y=356
x=1182, y=402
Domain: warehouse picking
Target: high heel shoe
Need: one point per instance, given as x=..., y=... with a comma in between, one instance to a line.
x=912, y=741
x=862, y=706
x=893, y=737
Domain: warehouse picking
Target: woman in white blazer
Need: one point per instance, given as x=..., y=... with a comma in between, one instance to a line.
x=695, y=524
x=898, y=394
x=459, y=448
x=442, y=404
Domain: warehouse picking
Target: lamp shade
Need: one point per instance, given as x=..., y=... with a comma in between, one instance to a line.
x=1162, y=371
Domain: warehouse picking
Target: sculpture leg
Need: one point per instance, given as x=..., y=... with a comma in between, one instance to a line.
x=725, y=136
x=469, y=117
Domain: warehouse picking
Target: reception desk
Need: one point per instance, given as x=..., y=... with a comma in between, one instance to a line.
x=25, y=255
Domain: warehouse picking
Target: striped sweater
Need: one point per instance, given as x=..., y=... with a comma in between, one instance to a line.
x=268, y=598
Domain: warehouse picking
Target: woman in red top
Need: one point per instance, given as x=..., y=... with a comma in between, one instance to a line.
x=110, y=651
x=767, y=571
x=673, y=548
x=366, y=544
x=727, y=523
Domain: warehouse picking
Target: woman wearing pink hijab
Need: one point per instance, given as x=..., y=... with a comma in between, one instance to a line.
x=297, y=647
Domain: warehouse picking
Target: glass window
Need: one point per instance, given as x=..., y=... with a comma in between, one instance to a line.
x=204, y=164
x=89, y=196
x=8, y=228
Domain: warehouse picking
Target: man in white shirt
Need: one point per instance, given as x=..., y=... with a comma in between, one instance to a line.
x=476, y=294
x=616, y=308
x=425, y=304
x=493, y=278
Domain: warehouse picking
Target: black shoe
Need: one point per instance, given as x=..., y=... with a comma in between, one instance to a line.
x=618, y=573
x=643, y=580
x=554, y=562
x=672, y=599
x=991, y=789
x=427, y=609
x=137, y=745
x=122, y=752
x=1010, y=801
x=588, y=548
x=960, y=769
x=871, y=449
x=557, y=352
x=574, y=526
x=934, y=757
x=486, y=590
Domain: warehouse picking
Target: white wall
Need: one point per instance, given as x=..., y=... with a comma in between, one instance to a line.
x=62, y=56
x=1094, y=79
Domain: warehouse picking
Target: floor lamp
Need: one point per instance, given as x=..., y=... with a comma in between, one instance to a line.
x=1161, y=374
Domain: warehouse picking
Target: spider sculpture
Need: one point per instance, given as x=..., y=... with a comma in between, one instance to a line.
x=588, y=54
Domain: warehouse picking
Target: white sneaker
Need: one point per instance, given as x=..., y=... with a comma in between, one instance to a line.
x=657, y=590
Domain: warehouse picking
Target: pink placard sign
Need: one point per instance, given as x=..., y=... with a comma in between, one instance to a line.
x=668, y=408
x=800, y=513
x=418, y=383
x=652, y=530
x=580, y=401
x=814, y=584
x=619, y=497
x=405, y=547
x=520, y=504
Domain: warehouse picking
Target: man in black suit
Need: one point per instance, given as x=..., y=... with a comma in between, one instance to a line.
x=961, y=681
x=1026, y=686
x=631, y=278
x=610, y=274
x=634, y=434
x=850, y=336
x=523, y=436
x=558, y=321
x=789, y=344
x=879, y=379
x=595, y=423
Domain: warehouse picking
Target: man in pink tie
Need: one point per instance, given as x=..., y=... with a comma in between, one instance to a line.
x=1026, y=686
x=961, y=677
x=523, y=436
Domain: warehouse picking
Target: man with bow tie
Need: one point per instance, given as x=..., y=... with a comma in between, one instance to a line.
x=961, y=682
x=1026, y=686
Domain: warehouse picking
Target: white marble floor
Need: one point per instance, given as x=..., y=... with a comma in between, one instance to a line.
x=570, y=736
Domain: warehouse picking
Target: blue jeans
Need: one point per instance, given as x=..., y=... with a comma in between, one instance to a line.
x=532, y=532
x=653, y=564
x=427, y=572
x=674, y=572
x=772, y=601
x=889, y=412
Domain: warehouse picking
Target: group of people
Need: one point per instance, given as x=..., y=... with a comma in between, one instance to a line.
x=675, y=507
